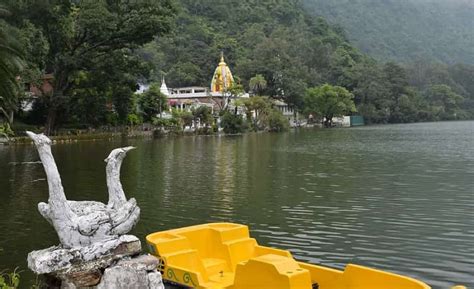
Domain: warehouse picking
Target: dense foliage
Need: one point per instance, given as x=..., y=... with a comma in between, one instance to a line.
x=152, y=102
x=97, y=52
x=327, y=101
x=437, y=30
x=232, y=123
x=88, y=47
x=9, y=280
x=276, y=42
x=277, y=49
x=11, y=62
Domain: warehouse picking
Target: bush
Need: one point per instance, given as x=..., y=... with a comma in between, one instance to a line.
x=162, y=122
x=133, y=119
x=5, y=130
x=182, y=118
x=232, y=123
x=152, y=102
x=204, y=114
x=111, y=118
x=9, y=280
x=277, y=122
x=204, y=131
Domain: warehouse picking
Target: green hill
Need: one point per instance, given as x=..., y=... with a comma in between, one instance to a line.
x=294, y=50
x=405, y=30
x=275, y=40
x=290, y=48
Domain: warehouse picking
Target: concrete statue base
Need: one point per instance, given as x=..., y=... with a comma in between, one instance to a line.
x=109, y=264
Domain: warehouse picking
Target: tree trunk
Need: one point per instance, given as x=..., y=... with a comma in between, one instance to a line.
x=50, y=120
x=55, y=101
x=9, y=114
x=327, y=122
x=10, y=117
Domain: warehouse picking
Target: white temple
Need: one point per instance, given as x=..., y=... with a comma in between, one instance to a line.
x=216, y=96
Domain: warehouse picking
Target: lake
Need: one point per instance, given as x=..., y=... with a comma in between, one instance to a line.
x=395, y=197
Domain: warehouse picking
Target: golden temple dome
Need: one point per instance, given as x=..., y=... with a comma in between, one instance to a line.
x=222, y=78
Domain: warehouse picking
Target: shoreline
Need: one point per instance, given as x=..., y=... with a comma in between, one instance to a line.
x=76, y=135
x=90, y=135
x=83, y=136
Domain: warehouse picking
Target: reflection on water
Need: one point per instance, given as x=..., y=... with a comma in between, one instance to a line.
x=396, y=197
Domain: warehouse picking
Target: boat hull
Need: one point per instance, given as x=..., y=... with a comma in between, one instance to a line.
x=224, y=256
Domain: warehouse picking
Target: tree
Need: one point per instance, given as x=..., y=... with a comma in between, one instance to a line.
x=232, y=123
x=277, y=122
x=152, y=102
x=11, y=61
x=108, y=91
x=204, y=114
x=370, y=93
x=446, y=102
x=82, y=34
x=328, y=101
x=257, y=109
x=182, y=118
x=397, y=85
x=257, y=84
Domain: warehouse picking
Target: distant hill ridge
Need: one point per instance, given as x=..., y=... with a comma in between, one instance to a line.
x=405, y=30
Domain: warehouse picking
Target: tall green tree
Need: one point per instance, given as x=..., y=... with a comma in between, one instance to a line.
x=11, y=62
x=446, y=103
x=204, y=115
x=328, y=101
x=152, y=102
x=257, y=109
x=83, y=34
x=257, y=84
x=396, y=82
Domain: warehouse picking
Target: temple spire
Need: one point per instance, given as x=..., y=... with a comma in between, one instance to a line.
x=164, y=88
x=222, y=78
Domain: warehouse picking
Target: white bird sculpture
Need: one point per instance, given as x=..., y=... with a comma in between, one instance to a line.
x=82, y=223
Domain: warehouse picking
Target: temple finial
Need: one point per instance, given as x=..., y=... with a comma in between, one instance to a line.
x=222, y=56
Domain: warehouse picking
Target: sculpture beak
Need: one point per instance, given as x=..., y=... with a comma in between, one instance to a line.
x=30, y=134
x=127, y=149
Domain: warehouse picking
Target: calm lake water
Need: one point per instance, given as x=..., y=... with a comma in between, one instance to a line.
x=395, y=197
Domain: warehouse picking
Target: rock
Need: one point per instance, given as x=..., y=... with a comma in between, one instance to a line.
x=136, y=272
x=68, y=285
x=155, y=280
x=125, y=277
x=59, y=261
x=142, y=262
x=84, y=278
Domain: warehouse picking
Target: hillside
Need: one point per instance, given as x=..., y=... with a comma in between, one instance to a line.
x=405, y=30
x=291, y=49
x=294, y=50
x=282, y=46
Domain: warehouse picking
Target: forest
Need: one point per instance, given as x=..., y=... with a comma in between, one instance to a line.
x=404, y=30
x=99, y=51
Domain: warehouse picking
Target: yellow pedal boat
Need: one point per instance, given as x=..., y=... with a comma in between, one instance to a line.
x=223, y=256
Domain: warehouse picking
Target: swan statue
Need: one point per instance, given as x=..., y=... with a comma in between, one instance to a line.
x=83, y=223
